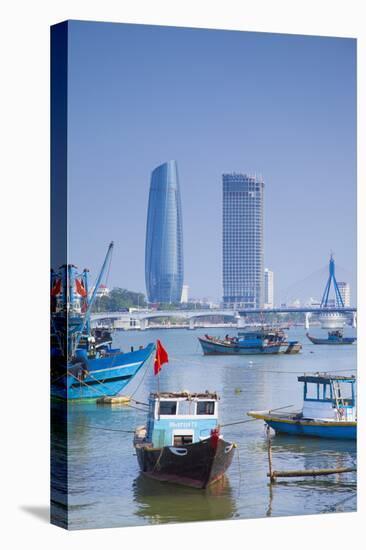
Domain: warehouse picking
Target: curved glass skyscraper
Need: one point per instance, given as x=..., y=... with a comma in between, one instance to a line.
x=164, y=237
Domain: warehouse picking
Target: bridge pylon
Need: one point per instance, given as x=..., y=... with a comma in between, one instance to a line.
x=331, y=281
x=307, y=320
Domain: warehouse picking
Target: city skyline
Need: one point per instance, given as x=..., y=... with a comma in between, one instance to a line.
x=218, y=102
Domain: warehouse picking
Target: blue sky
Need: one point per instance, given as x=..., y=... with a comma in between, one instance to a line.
x=283, y=106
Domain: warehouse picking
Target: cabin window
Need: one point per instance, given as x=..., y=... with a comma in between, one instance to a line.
x=327, y=392
x=185, y=408
x=182, y=440
x=205, y=407
x=168, y=407
x=348, y=393
x=312, y=391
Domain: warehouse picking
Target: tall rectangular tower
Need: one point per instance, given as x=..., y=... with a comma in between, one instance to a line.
x=243, y=241
x=345, y=292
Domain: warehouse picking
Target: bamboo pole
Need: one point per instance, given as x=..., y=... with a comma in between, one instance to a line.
x=269, y=451
x=308, y=473
x=273, y=474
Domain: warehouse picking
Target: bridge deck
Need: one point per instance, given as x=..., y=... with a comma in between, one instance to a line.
x=193, y=314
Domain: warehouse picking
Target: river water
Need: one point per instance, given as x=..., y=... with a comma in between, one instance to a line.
x=107, y=490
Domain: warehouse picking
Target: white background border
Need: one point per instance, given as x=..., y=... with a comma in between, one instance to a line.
x=25, y=266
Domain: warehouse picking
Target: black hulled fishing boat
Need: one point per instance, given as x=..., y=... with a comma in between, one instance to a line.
x=181, y=442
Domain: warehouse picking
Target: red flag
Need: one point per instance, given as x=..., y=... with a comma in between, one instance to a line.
x=56, y=289
x=161, y=357
x=80, y=288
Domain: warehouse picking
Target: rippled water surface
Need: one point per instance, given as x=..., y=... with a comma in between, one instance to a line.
x=107, y=490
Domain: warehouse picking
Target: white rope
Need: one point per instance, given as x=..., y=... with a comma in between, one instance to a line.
x=84, y=383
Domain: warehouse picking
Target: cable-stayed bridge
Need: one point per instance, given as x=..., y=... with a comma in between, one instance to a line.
x=329, y=313
x=140, y=318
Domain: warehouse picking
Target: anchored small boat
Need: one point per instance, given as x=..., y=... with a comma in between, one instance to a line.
x=329, y=409
x=84, y=365
x=264, y=340
x=181, y=442
x=335, y=338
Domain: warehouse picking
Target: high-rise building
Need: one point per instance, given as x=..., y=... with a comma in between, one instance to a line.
x=268, y=289
x=345, y=292
x=243, y=241
x=185, y=293
x=164, y=236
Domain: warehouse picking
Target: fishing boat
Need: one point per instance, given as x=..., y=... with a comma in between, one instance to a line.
x=335, y=338
x=103, y=336
x=329, y=409
x=263, y=340
x=181, y=442
x=84, y=363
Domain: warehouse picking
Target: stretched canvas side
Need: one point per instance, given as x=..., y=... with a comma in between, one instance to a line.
x=59, y=466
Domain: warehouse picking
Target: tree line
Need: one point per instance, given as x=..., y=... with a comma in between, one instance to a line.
x=119, y=299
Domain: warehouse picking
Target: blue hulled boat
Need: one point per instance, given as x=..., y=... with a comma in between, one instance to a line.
x=335, y=338
x=260, y=341
x=84, y=365
x=329, y=409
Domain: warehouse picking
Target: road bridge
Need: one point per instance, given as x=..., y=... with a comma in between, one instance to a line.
x=140, y=318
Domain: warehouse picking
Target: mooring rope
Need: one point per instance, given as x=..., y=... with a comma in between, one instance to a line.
x=239, y=422
x=148, y=364
x=157, y=463
x=136, y=408
x=84, y=383
x=105, y=429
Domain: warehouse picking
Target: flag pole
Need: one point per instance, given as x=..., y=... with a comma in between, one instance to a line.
x=158, y=393
x=161, y=357
x=158, y=385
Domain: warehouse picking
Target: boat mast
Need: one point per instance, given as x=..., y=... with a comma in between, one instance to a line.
x=92, y=299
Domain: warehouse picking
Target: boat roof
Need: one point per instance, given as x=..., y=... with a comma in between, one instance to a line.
x=261, y=328
x=184, y=395
x=323, y=377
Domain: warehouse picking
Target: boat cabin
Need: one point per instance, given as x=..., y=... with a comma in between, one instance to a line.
x=262, y=335
x=181, y=418
x=335, y=334
x=329, y=397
